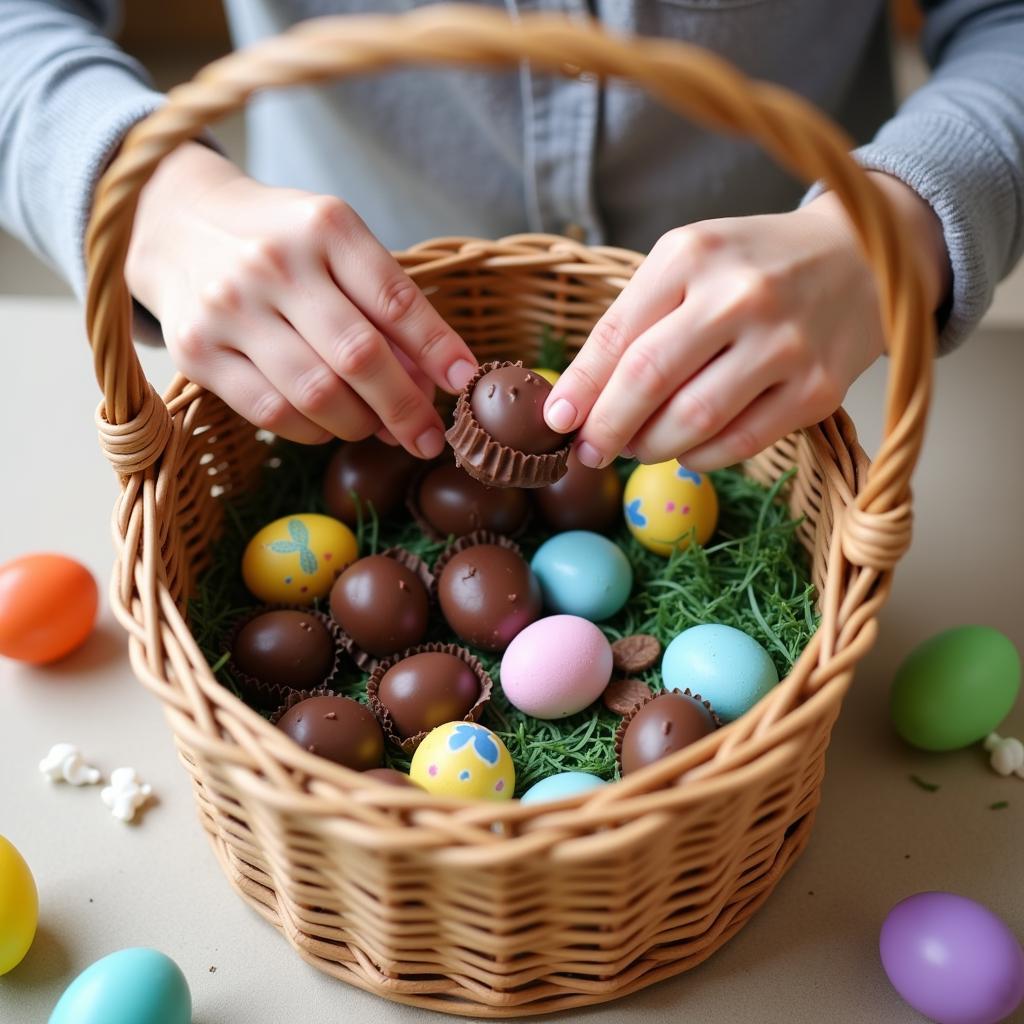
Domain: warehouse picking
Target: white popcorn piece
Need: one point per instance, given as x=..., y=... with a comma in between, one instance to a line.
x=125, y=794
x=1007, y=754
x=65, y=763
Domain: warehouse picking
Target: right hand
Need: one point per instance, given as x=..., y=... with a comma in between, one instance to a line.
x=285, y=305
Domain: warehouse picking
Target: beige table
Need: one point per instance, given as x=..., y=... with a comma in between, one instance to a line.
x=809, y=955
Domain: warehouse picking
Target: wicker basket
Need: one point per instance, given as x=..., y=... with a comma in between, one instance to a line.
x=500, y=909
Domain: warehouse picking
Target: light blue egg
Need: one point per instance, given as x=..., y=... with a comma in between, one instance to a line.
x=561, y=786
x=724, y=665
x=131, y=986
x=582, y=573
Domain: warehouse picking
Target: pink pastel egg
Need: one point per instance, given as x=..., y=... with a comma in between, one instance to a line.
x=556, y=666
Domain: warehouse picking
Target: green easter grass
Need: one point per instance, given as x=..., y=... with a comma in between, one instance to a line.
x=753, y=575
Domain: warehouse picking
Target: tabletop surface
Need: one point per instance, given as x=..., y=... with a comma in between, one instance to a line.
x=810, y=955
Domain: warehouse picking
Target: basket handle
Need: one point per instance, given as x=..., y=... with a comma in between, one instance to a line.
x=135, y=425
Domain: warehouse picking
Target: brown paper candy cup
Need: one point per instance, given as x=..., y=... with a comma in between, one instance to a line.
x=363, y=659
x=620, y=732
x=408, y=744
x=264, y=696
x=491, y=462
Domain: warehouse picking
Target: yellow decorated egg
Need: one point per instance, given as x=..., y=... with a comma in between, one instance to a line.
x=463, y=759
x=551, y=376
x=295, y=559
x=666, y=503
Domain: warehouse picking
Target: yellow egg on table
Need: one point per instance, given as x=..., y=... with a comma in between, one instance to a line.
x=551, y=376
x=463, y=759
x=296, y=559
x=19, y=907
x=665, y=504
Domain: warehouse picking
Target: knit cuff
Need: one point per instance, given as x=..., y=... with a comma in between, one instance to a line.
x=957, y=170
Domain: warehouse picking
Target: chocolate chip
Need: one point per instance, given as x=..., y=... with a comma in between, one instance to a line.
x=636, y=653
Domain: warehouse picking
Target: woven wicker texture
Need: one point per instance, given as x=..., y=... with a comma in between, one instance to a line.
x=500, y=909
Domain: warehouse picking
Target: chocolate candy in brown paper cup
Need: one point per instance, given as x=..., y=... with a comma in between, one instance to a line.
x=337, y=728
x=425, y=687
x=663, y=724
x=278, y=649
x=486, y=590
x=381, y=604
x=445, y=501
x=499, y=435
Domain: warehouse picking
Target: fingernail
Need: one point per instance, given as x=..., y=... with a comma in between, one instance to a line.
x=561, y=415
x=459, y=374
x=430, y=443
x=627, y=452
x=589, y=455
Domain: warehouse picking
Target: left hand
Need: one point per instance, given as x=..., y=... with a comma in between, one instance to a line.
x=735, y=332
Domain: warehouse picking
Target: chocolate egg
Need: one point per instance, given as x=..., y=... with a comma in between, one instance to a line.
x=285, y=648
x=426, y=690
x=665, y=724
x=381, y=604
x=584, y=499
x=488, y=594
x=376, y=472
x=337, y=728
x=508, y=403
x=452, y=503
x=391, y=777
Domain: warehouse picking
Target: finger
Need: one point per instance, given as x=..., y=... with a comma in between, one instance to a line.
x=762, y=423
x=650, y=371
x=309, y=384
x=707, y=402
x=656, y=289
x=360, y=355
x=239, y=383
x=372, y=278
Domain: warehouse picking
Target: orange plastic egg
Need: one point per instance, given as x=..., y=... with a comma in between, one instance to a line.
x=47, y=607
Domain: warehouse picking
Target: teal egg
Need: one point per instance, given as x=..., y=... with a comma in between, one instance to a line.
x=955, y=688
x=561, y=786
x=582, y=573
x=131, y=986
x=726, y=666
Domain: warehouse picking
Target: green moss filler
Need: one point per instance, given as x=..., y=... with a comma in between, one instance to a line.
x=752, y=575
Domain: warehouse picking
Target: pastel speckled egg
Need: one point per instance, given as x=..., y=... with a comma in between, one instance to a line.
x=131, y=986
x=726, y=666
x=561, y=787
x=955, y=688
x=952, y=959
x=666, y=504
x=583, y=573
x=463, y=759
x=19, y=907
x=556, y=666
x=551, y=376
x=295, y=559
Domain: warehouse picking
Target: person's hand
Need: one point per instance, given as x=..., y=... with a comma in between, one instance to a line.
x=285, y=305
x=733, y=333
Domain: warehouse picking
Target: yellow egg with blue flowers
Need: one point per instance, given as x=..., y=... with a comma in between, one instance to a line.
x=296, y=559
x=666, y=505
x=464, y=759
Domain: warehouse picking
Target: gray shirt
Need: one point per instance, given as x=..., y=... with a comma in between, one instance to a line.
x=421, y=153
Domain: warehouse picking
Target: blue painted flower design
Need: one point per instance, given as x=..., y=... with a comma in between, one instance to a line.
x=299, y=542
x=633, y=513
x=483, y=743
x=688, y=474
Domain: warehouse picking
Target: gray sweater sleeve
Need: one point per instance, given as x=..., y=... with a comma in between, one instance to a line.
x=959, y=143
x=67, y=97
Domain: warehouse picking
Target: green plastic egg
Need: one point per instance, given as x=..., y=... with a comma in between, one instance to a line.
x=955, y=688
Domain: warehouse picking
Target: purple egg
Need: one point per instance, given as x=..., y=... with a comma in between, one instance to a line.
x=952, y=959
